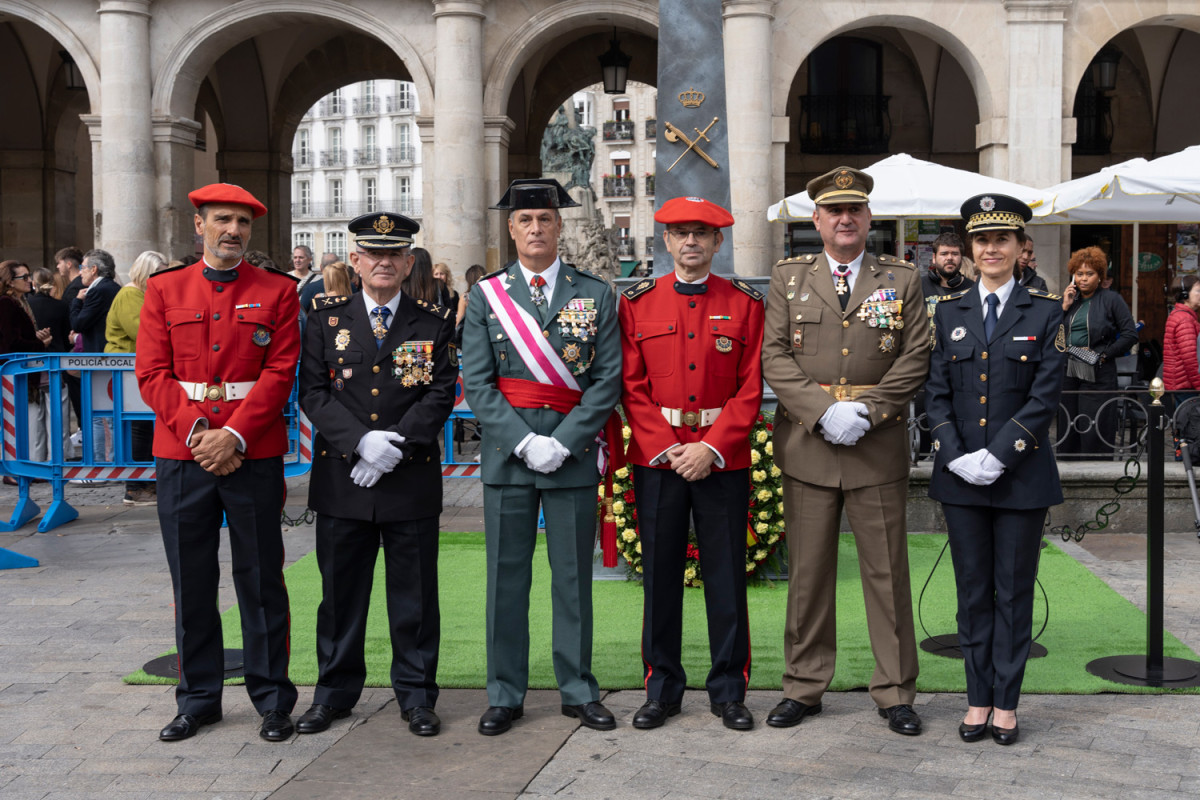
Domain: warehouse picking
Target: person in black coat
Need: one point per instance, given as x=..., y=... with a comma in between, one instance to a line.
x=50, y=312
x=1097, y=323
x=89, y=309
x=377, y=379
x=993, y=389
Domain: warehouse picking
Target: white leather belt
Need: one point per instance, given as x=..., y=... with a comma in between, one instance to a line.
x=217, y=391
x=679, y=418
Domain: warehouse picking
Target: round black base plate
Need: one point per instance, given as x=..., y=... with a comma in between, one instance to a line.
x=946, y=646
x=1135, y=671
x=168, y=666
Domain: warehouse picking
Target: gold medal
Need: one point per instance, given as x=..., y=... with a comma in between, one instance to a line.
x=724, y=345
x=342, y=340
x=887, y=342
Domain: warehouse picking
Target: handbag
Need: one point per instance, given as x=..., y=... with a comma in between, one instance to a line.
x=1084, y=354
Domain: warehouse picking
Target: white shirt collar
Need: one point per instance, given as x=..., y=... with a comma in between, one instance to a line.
x=550, y=275
x=698, y=280
x=854, y=266
x=1004, y=292
x=390, y=305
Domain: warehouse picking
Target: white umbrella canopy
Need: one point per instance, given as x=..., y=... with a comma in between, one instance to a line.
x=907, y=187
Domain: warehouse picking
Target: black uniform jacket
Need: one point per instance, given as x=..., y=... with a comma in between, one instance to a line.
x=348, y=386
x=1001, y=395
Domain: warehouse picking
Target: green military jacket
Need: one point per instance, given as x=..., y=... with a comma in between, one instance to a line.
x=590, y=348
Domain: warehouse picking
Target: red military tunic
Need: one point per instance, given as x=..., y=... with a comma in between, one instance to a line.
x=211, y=332
x=691, y=352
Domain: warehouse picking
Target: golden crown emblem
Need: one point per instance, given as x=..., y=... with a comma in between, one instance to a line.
x=691, y=98
x=383, y=226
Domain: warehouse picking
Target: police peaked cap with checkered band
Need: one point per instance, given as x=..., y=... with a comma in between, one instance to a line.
x=693, y=209
x=535, y=193
x=383, y=230
x=995, y=212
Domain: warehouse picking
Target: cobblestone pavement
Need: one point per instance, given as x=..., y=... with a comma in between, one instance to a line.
x=99, y=606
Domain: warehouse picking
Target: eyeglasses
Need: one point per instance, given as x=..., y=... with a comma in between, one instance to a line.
x=24, y=277
x=682, y=236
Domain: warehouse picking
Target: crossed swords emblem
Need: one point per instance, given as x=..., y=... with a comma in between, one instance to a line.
x=673, y=134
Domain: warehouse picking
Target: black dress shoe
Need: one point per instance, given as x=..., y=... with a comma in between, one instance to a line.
x=592, y=715
x=791, y=712
x=319, y=717
x=185, y=726
x=734, y=715
x=653, y=714
x=422, y=721
x=972, y=733
x=902, y=719
x=498, y=719
x=277, y=726
x=1005, y=735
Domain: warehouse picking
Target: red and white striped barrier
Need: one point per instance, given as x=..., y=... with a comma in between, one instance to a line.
x=109, y=473
x=7, y=393
x=459, y=470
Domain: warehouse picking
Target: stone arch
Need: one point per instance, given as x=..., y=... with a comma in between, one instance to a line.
x=64, y=35
x=177, y=82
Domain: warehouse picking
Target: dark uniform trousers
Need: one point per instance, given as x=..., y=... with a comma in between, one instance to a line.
x=718, y=505
x=995, y=553
x=347, y=550
x=190, y=504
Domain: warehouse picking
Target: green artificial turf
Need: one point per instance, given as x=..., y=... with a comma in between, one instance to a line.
x=1087, y=621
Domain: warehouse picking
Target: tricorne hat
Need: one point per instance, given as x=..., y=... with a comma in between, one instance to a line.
x=535, y=193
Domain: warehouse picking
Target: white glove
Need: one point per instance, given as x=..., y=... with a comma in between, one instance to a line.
x=365, y=475
x=979, y=468
x=544, y=454
x=845, y=422
x=378, y=449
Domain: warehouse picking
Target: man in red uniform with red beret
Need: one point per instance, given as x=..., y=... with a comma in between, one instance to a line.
x=216, y=359
x=691, y=345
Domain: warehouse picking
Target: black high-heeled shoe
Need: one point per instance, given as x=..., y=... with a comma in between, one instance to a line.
x=1005, y=736
x=972, y=733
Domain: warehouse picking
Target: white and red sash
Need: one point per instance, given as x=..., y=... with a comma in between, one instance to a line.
x=525, y=333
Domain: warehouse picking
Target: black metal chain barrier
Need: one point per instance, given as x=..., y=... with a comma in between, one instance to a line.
x=307, y=517
x=1121, y=486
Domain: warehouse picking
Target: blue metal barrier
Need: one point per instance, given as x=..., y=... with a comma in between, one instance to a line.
x=109, y=394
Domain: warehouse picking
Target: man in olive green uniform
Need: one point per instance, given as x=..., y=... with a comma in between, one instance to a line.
x=846, y=347
x=542, y=370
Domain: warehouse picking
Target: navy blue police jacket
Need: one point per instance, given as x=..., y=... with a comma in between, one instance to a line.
x=1000, y=394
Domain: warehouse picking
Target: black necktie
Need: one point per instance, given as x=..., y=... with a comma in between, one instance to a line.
x=690, y=288
x=990, y=318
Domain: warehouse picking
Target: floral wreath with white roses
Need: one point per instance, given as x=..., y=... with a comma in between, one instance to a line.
x=764, y=517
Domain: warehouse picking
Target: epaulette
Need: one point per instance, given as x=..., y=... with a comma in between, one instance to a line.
x=500, y=271
x=638, y=289
x=165, y=270
x=278, y=271
x=953, y=295
x=435, y=309
x=807, y=258
x=890, y=260
x=1042, y=294
x=587, y=274
x=746, y=288
x=322, y=303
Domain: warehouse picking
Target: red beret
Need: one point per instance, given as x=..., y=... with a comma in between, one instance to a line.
x=693, y=209
x=229, y=194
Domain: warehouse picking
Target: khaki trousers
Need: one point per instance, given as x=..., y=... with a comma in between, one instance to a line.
x=877, y=518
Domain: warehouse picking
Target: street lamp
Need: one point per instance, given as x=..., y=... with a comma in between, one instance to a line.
x=71, y=76
x=1104, y=68
x=615, y=66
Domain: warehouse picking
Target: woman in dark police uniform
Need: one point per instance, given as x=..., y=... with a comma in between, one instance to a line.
x=994, y=385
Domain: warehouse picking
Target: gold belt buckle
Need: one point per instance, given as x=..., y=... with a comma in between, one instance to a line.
x=215, y=392
x=840, y=393
x=691, y=418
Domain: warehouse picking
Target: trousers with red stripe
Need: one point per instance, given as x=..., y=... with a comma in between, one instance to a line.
x=667, y=505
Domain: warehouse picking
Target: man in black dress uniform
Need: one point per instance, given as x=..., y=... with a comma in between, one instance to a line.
x=377, y=381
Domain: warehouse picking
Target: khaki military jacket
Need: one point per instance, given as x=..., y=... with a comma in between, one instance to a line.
x=810, y=342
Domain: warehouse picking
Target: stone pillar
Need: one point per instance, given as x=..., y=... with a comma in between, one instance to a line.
x=497, y=131
x=459, y=201
x=1038, y=138
x=127, y=149
x=748, y=103
x=428, y=223
x=95, y=126
x=174, y=161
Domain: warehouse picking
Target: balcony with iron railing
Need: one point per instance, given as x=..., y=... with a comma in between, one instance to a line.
x=303, y=158
x=368, y=105
x=332, y=106
x=625, y=247
x=333, y=158
x=650, y=185
x=650, y=247
x=366, y=156
x=651, y=130
x=618, y=186
x=398, y=103
x=337, y=210
x=620, y=131
x=402, y=154
x=845, y=123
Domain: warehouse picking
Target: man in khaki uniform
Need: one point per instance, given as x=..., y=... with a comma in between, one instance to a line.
x=846, y=347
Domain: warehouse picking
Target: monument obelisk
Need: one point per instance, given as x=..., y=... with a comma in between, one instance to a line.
x=692, y=146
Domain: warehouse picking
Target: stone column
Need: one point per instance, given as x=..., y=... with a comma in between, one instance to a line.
x=1037, y=136
x=428, y=223
x=459, y=201
x=497, y=131
x=748, y=103
x=125, y=226
x=174, y=161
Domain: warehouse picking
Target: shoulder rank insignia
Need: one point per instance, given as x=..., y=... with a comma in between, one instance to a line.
x=638, y=289
x=436, y=310
x=889, y=260
x=586, y=274
x=953, y=296
x=278, y=271
x=746, y=288
x=1044, y=295
x=320, y=303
